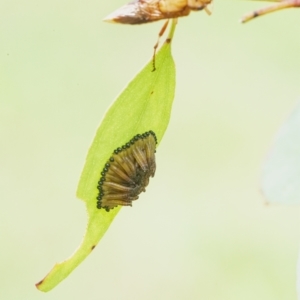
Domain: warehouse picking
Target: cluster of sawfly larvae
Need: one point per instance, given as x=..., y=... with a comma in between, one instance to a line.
x=126, y=174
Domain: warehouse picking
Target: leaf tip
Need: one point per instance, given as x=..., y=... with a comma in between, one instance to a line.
x=38, y=285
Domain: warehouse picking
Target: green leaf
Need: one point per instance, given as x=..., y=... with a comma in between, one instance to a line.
x=144, y=105
x=281, y=174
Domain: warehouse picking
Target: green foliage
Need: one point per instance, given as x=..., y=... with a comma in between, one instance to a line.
x=144, y=105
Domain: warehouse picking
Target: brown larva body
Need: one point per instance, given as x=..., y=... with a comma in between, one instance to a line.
x=144, y=11
x=127, y=172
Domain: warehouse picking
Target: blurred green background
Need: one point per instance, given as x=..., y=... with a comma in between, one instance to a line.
x=202, y=230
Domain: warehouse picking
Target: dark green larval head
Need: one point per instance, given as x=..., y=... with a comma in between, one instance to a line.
x=127, y=172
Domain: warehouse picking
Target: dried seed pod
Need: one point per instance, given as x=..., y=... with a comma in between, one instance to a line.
x=144, y=11
x=126, y=174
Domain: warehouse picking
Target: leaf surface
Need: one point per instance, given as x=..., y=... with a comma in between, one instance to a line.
x=281, y=173
x=144, y=105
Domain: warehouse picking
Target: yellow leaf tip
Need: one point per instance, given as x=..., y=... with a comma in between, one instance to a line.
x=37, y=285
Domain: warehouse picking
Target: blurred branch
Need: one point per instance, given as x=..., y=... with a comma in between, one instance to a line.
x=263, y=11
